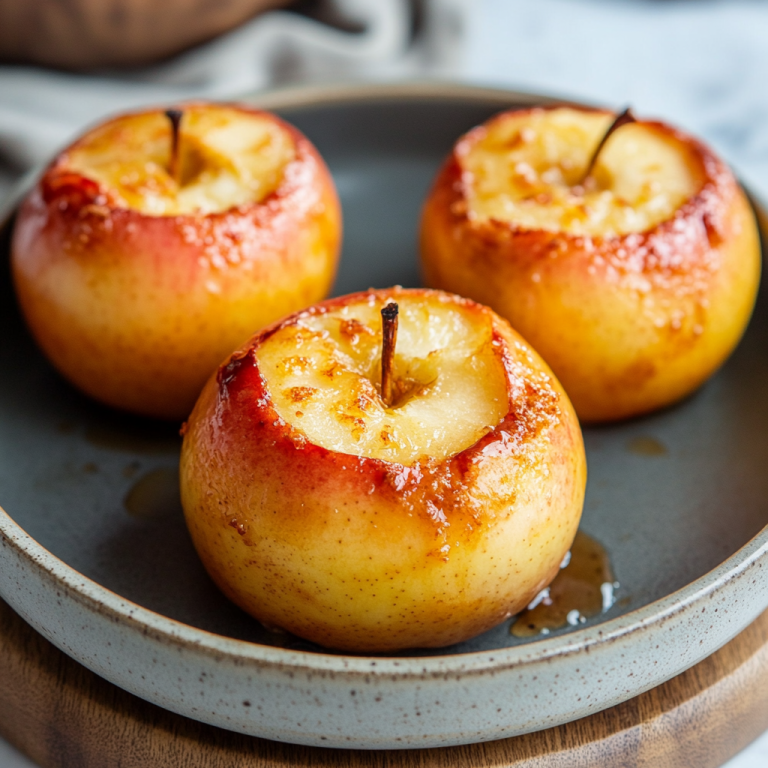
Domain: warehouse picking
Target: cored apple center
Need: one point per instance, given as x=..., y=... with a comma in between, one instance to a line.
x=324, y=376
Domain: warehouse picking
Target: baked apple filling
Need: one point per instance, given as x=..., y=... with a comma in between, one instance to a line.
x=227, y=158
x=529, y=170
x=449, y=383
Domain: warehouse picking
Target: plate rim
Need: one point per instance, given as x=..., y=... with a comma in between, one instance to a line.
x=98, y=599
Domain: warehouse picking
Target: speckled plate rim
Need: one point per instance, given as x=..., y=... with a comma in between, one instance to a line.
x=93, y=596
x=740, y=582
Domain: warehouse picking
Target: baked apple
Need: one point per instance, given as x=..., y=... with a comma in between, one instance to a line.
x=375, y=523
x=148, y=250
x=633, y=276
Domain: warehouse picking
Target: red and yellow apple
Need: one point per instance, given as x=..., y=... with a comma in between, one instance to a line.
x=368, y=526
x=634, y=283
x=137, y=280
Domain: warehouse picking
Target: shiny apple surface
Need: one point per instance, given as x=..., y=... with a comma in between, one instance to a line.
x=367, y=526
x=137, y=284
x=634, y=283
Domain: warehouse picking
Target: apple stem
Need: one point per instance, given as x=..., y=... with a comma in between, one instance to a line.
x=174, y=166
x=389, y=315
x=622, y=118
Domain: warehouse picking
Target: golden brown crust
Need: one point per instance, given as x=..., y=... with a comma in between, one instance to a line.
x=85, y=210
x=696, y=225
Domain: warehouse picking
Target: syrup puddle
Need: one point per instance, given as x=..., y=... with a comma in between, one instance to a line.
x=584, y=588
x=155, y=495
x=647, y=446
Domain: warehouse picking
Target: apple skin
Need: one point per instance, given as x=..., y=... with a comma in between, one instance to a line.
x=628, y=323
x=365, y=555
x=138, y=310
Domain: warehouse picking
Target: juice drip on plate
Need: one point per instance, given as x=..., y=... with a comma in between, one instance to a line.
x=584, y=588
x=647, y=446
x=155, y=495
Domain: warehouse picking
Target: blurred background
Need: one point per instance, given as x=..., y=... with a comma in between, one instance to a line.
x=698, y=63
x=701, y=64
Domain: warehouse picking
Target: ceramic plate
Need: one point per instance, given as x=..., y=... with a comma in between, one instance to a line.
x=96, y=557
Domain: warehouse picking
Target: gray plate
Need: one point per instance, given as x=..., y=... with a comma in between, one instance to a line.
x=125, y=595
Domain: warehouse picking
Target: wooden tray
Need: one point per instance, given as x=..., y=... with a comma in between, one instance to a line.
x=62, y=715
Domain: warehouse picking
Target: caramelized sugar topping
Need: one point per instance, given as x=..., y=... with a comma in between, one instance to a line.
x=526, y=169
x=323, y=374
x=227, y=158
